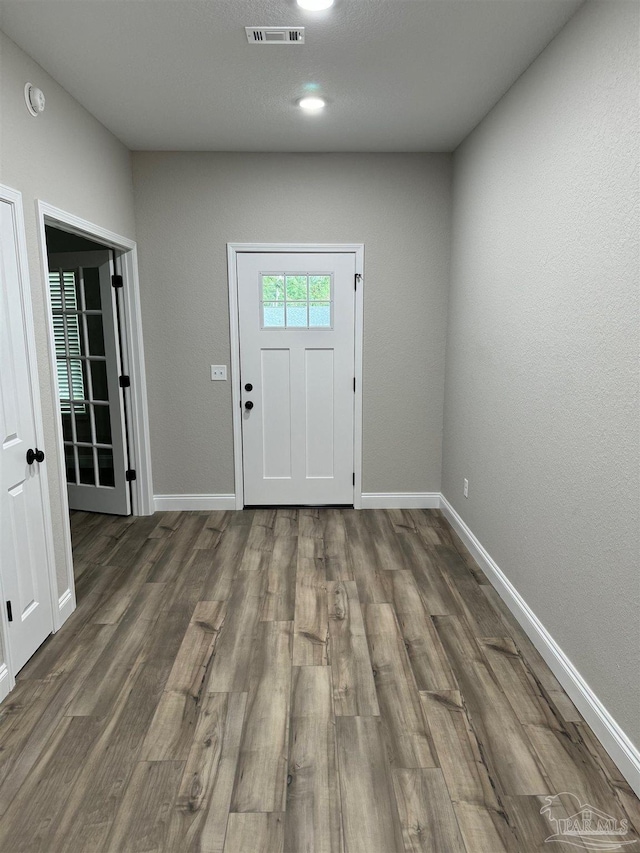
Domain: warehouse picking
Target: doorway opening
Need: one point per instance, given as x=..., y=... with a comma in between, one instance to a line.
x=92, y=387
x=98, y=381
x=296, y=353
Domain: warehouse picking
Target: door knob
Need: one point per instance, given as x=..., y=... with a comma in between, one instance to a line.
x=248, y=405
x=34, y=456
x=248, y=387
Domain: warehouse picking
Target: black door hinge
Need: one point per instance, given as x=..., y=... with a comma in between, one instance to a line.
x=125, y=381
x=353, y=478
x=9, y=612
x=354, y=384
x=130, y=475
x=356, y=279
x=116, y=281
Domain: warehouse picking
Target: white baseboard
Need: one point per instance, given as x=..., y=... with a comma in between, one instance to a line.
x=166, y=503
x=66, y=606
x=401, y=500
x=372, y=500
x=5, y=681
x=611, y=736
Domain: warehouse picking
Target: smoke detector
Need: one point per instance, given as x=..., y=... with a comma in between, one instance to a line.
x=34, y=99
x=275, y=35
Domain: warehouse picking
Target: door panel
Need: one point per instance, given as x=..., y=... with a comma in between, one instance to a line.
x=88, y=370
x=319, y=391
x=24, y=563
x=297, y=338
x=275, y=413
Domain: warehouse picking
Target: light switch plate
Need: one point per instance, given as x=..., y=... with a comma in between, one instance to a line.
x=218, y=372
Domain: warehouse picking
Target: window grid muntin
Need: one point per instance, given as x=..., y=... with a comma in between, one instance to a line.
x=65, y=288
x=283, y=302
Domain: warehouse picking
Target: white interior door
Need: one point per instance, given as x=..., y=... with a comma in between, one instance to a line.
x=85, y=327
x=297, y=338
x=24, y=565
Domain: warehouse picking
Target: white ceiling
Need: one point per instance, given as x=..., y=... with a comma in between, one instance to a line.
x=399, y=75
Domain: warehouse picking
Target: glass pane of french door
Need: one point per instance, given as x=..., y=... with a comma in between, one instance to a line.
x=88, y=367
x=82, y=375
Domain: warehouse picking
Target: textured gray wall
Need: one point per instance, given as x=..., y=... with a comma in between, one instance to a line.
x=189, y=205
x=66, y=158
x=541, y=402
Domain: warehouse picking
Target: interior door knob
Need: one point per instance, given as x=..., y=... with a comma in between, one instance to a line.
x=248, y=405
x=34, y=456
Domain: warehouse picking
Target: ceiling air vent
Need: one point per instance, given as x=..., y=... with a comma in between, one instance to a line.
x=275, y=35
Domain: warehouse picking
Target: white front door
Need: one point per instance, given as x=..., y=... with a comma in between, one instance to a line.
x=86, y=333
x=24, y=565
x=297, y=338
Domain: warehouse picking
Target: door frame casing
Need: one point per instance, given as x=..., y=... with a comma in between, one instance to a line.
x=14, y=198
x=137, y=418
x=233, y=250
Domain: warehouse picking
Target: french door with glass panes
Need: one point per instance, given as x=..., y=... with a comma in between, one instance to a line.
x=88, y=370
x=296, y=314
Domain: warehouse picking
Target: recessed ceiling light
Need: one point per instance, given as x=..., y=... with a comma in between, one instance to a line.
x=312, y=104
x=315, y=5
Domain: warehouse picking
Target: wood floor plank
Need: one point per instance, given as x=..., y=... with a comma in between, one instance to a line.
x=199, y=817
x=286, y=523
x=452, y=538
x=621, y=788
x=29, y=823
x=438, y=598
x=383, y=539
x=406, y=731
x=118, y=600
x=337, y=559
x=261, y=778
x=429, y=527
x=259, y=833
x=99, y=789
x=220, y=564
x=229, y=669
x=354, y=690
x=20, y=754
x=172, y=728
x=521, y=690
x=103, y=684
x=429, y=823
x=530, y=827
x=313, y=823
x=197, y=732
x=484, y=830
x=189, y=672
x=457, y=749
x=280, y=592
x=424, y=649
x=513, y=764
x=99, y=583
x=141, y=824
x=177, y=548
x=547, y=682
x=482, y=618
x=213, y=530
x=369, y=813
x=311, y=523
x=311, y=622
x=566, y=760
x=364, y=560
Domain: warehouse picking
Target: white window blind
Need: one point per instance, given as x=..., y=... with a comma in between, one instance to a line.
x=62, y=285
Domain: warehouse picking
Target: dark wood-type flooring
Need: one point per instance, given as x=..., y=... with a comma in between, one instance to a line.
x=290, y=680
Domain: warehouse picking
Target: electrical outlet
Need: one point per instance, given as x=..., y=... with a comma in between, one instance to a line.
x=218, y=372
x=466, y=488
